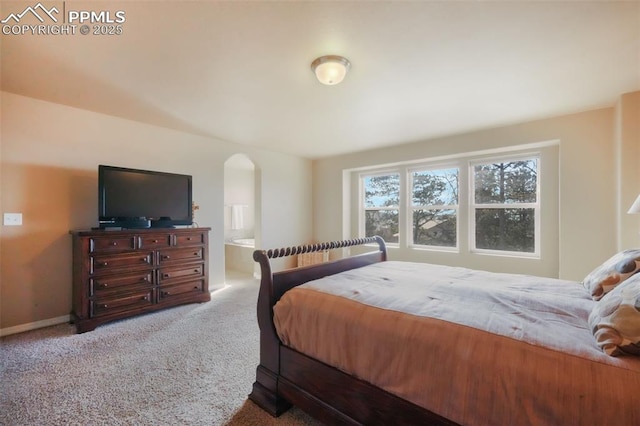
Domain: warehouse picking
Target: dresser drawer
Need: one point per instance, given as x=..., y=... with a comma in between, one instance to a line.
x=109, y=244
x=108, y=262
x=120, y=273
x=105, y=285
x=181, y=290
x=194, y=239
x=180, y=255
x=154, y=242
x=120, y=303
x=180, y=273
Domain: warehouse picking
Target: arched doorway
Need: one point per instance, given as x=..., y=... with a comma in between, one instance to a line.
x=241, y=214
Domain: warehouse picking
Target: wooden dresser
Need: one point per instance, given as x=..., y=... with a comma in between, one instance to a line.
x=118, y=274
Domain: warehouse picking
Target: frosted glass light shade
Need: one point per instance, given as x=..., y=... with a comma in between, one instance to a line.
x=635, y=207
x=331, y=69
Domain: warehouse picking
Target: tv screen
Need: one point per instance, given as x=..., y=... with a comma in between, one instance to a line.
x=131, y=198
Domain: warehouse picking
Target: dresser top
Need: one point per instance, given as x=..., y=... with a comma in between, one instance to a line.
x=115, y=232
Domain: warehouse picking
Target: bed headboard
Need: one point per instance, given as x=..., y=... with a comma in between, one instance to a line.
x=310, y=248
x=277, y=283
x=274, y=284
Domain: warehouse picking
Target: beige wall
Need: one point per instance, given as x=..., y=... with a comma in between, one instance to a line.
x=627, y=148
x=50, y=155
x=586, y=183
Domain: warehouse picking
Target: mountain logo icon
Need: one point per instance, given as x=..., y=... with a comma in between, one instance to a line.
x=36, y=11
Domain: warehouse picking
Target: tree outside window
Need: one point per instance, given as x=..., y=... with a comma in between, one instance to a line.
x=434, y=206
x=505, y=204
x=500, y=197
x=381, y=206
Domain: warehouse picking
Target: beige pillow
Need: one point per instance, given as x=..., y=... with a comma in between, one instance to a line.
x=615, y=320
x=611, y=273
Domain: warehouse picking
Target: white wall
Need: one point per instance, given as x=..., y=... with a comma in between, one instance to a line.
x=50, y=155
x=586, y=184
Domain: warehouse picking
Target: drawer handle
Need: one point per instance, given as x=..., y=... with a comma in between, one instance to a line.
x=104, y=305
x=196, y=288
x=165, y=275
x=143, y=279
x=114, y=243
x=196, y=270
x=145, y=298
x=105, y=264
x=188, y=238
x=166, y=293
x=143, y=259
x=166, y=256
x=196, y=254
x=155, y=241
x=103, y=285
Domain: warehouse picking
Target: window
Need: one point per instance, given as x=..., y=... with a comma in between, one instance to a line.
x=486, y=202
x=381, y=205
x=434, y=207
x=505, y=205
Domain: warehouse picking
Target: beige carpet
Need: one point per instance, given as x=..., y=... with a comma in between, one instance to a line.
x=189, y=365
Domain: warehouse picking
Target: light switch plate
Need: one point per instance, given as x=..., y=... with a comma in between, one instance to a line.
x=12, y=219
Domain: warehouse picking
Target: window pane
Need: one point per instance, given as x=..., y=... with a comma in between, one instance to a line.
x=508, y=182
x=383, y=223
x=382, y=191
x=434, y=227
x=435, y=187
x=506, y=229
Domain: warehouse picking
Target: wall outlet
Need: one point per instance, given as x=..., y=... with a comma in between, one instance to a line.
x=12, y=219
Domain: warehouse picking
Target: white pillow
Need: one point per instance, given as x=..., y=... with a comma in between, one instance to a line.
x=615, y=320
x=611, y=273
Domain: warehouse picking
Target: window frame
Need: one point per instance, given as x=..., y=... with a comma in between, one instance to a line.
x=362, y=219
x=411, y=207
x=544, y=152
x=473, y=206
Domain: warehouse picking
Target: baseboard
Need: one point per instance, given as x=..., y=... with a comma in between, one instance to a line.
x=34, y=325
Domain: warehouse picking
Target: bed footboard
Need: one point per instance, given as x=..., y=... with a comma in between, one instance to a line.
x=267, y=387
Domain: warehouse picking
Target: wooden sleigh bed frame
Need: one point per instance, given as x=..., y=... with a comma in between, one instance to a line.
x=425, y=344
x=286, y=377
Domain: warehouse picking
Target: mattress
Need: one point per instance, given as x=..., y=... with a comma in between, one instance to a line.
x=476, y=347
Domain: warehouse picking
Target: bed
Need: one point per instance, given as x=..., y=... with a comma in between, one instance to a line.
x=365, y=340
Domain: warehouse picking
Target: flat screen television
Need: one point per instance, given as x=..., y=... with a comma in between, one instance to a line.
x=132, y=198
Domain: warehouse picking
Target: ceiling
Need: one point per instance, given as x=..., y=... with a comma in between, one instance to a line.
x=240, y=71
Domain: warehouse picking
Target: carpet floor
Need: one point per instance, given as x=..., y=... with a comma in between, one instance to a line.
x=189, y=365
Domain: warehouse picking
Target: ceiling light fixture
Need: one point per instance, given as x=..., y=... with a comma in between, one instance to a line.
x=330, y=69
